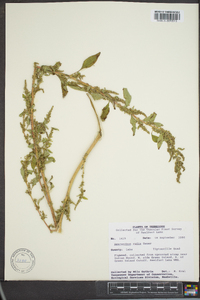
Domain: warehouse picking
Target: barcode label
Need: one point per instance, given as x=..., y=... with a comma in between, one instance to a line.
x=167, y=16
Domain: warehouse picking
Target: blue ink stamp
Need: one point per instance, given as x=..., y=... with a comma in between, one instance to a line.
x=22, y=260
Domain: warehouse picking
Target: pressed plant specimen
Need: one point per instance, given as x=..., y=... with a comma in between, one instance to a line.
x=39, y=137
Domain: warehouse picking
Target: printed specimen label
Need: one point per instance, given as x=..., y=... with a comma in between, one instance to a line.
x=151, y=251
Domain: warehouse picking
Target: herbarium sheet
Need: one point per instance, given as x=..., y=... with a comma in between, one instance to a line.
x=101, y=141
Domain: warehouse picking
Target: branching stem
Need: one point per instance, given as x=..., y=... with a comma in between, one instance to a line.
x=67, y=197
x=37, y=208
x=39, y=156
x=47, y=195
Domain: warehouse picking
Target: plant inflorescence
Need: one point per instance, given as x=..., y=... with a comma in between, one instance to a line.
x=38, y=136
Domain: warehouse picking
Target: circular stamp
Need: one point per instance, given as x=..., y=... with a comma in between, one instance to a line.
x=22, y=260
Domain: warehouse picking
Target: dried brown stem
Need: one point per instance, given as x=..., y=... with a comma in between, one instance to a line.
x=47, y=195
x=37, y=208
x=99, y=134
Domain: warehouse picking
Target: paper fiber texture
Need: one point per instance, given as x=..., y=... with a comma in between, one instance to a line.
x=127, y=179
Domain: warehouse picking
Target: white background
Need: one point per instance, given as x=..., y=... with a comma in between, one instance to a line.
x=126, y=178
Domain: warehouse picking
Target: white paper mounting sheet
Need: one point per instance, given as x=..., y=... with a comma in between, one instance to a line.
x=127, y=179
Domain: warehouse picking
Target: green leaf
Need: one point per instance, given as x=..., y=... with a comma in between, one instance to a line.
x=160, y=141
x=90, y=61
x=127, y=96
x=31, y=145
x=22, y=114
x=43, y=216
x=151, y=118
x=158, y=124
x=64, y=90
x=40, y=199
x=105, y=112
x=51, y=186
x=22, y=172
x=133, y=123
x=56, y=66
x=50, y=159
x=46, y=153
x=154, y=138
x=83, y=197
x=28, y=121
x=181, y=149
x=33, y=162
x=96, y=96
x=55, y=128
x=44, y=140
x=76, y=87
x=34, y=181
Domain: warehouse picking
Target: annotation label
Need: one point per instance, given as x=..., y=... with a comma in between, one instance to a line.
x=151, y=251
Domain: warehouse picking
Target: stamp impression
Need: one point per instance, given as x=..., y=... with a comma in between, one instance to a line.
x=22, y=260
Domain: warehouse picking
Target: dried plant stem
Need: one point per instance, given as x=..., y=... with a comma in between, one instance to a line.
x=38, y=136
x=47, y=194
x=37, y=208
x=67, y=197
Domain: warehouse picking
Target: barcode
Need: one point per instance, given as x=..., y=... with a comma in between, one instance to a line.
x=167, y=16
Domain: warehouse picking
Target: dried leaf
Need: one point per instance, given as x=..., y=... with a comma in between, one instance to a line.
x=28, y=121
x=64, y=90
x=34, y=181
x=160, y=141
x=151, y=118
x=22, y=172
x=105, y=112
x=127, y=96
x=158, y=124
x=96, y=96
x=133, y=123
x=56, y=66
x=90, y=61
x=40, y=199
x=46, y=153
x=154, y=138
x=50, y=159
x=33, y=162
x=76, y=87
x=22, y=114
